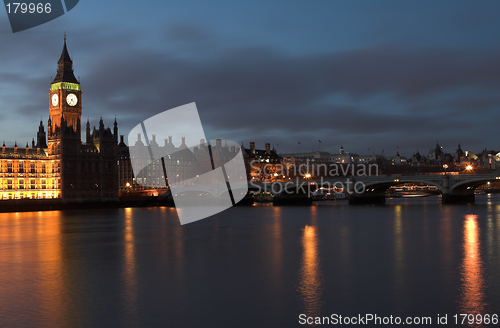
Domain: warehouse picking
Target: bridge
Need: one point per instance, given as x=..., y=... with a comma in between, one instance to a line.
x=455, y=188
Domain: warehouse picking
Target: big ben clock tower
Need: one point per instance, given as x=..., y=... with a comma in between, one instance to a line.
x=65, y=96
x=83, y=171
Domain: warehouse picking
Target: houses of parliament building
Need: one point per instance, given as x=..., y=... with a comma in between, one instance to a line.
x=58, y=165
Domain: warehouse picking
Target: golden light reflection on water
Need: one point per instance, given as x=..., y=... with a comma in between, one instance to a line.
x=398, y=236
x=30, y=245
x=310, y=286
x=399, y=256
x=129, y=263
x=277, y=246
x=472, y=299
x=51, y=262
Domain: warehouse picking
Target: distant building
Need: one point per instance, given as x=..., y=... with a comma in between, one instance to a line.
x=262, y=164
x=417, y=159
x=459, y=154
x=344, y=157
x=396, y=160
x=436, y=154
x=371, y=159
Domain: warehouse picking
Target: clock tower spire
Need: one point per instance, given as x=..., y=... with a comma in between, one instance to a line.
x=65, y=93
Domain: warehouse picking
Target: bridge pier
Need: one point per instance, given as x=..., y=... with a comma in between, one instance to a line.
x=462, y=198
x=297, y=200
x=294, y=195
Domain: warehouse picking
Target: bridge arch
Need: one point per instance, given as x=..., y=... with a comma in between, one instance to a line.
x=383, y=186
x=463, y=186
x=195, y=193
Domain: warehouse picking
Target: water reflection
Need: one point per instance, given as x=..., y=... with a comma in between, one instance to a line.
x=31, y=243
x=133, y=267
x=310, y=284
x=399, y=257
x=277, y=246
x=51, y=265
x=179, y=252
x=472, y=300
x=398, y=238
x=446, y=244
x=129, y=264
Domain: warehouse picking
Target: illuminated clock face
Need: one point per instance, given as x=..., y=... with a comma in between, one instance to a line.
x=55, y=99
x=72, y=99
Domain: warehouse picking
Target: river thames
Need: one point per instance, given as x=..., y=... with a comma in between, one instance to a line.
x=259, y=266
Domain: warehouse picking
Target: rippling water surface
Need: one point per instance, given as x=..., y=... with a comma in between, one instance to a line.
x=258, y=266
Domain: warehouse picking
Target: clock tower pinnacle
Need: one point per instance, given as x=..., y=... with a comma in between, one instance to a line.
x=65, y=94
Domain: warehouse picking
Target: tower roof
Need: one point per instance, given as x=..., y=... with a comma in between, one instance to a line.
x=65, y=67
x=65, y=55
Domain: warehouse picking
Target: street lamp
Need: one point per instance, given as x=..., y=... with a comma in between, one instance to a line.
x=445, y=166
x=468, y=168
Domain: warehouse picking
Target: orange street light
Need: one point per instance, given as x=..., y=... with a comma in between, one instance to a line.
x=469, y=167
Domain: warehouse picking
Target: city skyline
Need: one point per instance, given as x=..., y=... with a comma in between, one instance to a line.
x=376, y=77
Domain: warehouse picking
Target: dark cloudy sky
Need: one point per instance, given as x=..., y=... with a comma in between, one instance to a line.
x=372, y=75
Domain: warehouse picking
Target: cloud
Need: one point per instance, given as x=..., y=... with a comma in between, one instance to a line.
x=258, y=93
x=185, y=33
